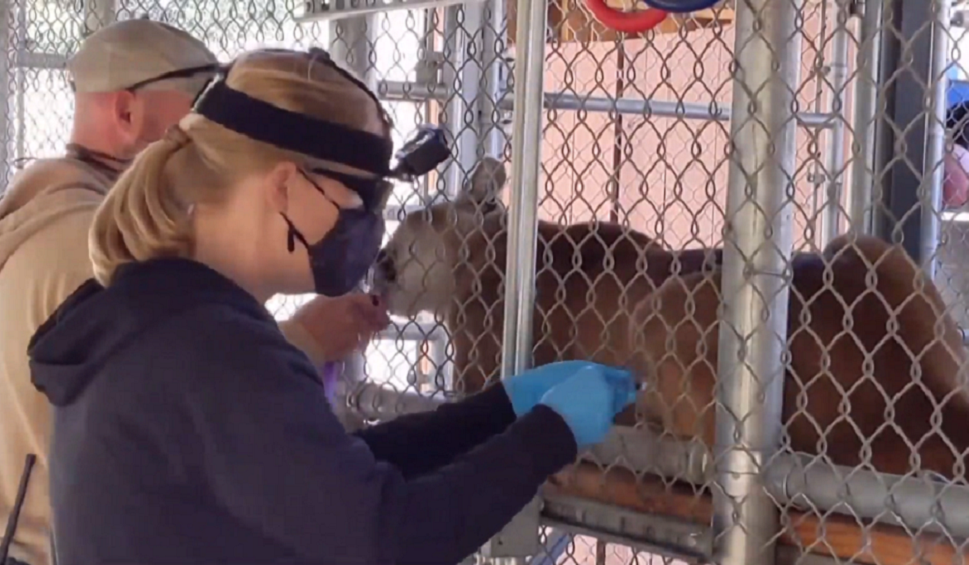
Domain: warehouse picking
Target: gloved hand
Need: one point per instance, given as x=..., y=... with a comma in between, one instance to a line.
x=526, y=389
x=589, y=401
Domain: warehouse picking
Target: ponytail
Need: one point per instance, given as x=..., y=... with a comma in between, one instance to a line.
x=141, y=218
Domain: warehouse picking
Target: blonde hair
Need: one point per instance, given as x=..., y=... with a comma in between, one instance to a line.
x=146, y=215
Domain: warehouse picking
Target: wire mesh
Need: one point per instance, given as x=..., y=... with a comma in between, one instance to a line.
x=40, y=107
x=633, y=202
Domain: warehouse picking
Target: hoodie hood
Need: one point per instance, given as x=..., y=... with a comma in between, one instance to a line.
x=95, y=324
x=43, y=192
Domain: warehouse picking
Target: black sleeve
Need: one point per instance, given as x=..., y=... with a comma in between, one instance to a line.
x=279, y=461
x=420, y=443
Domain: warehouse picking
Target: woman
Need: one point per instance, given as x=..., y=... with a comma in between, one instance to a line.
x=187, y=430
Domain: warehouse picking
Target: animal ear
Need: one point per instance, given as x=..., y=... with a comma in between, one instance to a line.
x=486, y=182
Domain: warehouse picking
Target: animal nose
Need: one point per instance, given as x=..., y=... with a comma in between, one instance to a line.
x=385, y=267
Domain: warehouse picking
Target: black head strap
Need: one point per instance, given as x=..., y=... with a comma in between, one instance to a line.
x=241, y=113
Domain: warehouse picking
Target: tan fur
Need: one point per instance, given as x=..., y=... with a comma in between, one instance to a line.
x=837, y=410
x=592, y=276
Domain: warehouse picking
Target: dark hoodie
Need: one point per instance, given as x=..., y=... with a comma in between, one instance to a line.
x=187, y=430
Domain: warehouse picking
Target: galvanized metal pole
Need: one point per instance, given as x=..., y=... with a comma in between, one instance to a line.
x=930, y=190
x=867, y=65
x=395, y=90
x=20, y=94
x=520, y=538
x=835, y=162
x=462, y=77
x=351, y=44
x=526, y=157
x=756, y=277
x=496, y=70
x=97, y=14
x=909, y=79
x=9, y=52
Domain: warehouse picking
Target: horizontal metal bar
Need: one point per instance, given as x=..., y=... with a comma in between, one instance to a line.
x=638, y=450
x=659, y=535
x=34, y=60
x=407, y=91
x=403, y=91
x=322, y=10
x=924, y=504
x=916, y=503
x=645, y=452
x=655, y=534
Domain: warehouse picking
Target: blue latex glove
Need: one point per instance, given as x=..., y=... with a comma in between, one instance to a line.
x=589, y=401
x=526, y=389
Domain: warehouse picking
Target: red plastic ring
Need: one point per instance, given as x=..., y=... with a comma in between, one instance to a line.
x=626, y=22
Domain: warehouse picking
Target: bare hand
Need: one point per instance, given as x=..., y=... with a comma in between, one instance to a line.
x=342, y=325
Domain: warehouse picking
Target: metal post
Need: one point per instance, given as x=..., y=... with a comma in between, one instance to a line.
x=5, y=63
x=526, y=162
x=520, y=539
x=910, y=72
x=493, y=77
x=351, y=44
x=866, y=96
x=835, y=162
x=930, y=189
x=97, y=14
x=441, y=374
x=20, y=151
x=757, y=251
x=462, y=76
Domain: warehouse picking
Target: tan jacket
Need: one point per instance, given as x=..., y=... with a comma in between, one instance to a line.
x=45, y=216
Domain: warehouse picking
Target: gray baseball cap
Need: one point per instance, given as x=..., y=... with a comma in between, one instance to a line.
x=141, y=54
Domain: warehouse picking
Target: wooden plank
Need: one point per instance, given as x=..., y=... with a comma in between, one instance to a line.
x=834, y=535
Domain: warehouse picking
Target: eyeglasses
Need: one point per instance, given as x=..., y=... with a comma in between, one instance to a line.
x=374, y=193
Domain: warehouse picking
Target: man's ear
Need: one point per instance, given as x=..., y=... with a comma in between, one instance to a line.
x=125, y=111
x=278, y=182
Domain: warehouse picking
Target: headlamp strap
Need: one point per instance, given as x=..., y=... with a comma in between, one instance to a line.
x=320, y=139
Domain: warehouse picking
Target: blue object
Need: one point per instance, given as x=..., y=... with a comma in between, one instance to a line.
x=526, y=390
x=957, y=93
x=330, y=375
x=589, y=401
x=681, y=6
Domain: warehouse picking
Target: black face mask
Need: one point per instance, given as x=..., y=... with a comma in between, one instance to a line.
x=342, y=258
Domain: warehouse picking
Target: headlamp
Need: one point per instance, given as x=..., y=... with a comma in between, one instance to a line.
x=423, y=150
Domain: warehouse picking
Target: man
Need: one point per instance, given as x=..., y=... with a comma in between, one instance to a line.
x=955, y=186
x=132, y=80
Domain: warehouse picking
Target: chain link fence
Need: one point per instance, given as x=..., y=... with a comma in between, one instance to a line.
x=675, y=201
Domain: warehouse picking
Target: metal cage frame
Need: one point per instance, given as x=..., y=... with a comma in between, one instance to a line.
x=753, y=479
